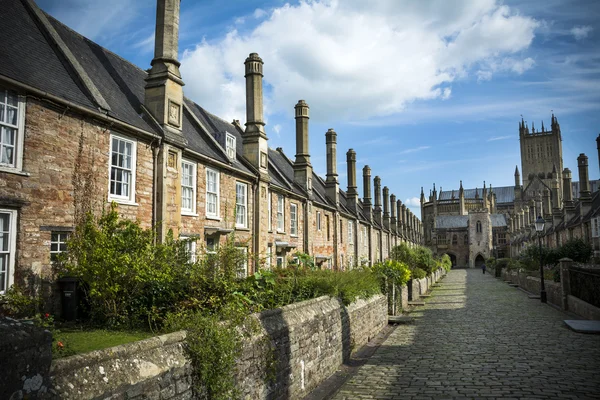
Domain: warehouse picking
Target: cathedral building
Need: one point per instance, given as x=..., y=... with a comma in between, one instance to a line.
x=471, y=225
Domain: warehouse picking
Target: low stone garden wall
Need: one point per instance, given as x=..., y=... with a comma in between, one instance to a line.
x=532, y=285
x=25, y=357
x=308, y=341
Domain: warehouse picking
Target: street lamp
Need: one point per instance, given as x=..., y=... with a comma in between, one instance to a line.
x=539, y=228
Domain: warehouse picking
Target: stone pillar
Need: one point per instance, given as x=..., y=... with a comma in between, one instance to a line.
x=547, y=204
x=367, y=206
x=351, y=193
x=377, y=207
x=255, y=148
x=598, y=147
x=331, y=181
x=565, y=283
x=302, y=166
x=400, y=219
x=163, y=93
x=393, y=221
x=386, y=205
x=585, y=194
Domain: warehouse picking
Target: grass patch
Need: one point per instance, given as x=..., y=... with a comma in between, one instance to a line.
x=72, y=341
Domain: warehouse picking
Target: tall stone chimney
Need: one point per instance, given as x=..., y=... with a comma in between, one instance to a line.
x=598, y=147
x=367, y=205
x=585, y=194
x=393, y=221
x=255, y=148
x=332, y=187
x=547, y=204
x=461, y=200
x=568, y=204
x=351, y=193
x=386, y=207
x=556, y=200
x=302, y=167
x=163, y=93
x=400, y=223
x=377, y=207
x=404, y=222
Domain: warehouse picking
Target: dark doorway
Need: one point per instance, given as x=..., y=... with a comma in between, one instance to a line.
x=479, y=261
x=453, y=260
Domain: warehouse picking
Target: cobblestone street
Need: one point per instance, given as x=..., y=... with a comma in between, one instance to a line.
x=477, y=337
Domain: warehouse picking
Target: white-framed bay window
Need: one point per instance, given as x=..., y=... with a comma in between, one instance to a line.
x=8, y=238
x=241, y=205
x=212, y=193
x=190, y=247
x=188, y=187
x=12, y=130
x=122, y=169
x=230, y=145
x=293, y=219
x=280, y=213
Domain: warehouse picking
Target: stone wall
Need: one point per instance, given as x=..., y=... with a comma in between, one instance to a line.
x=307, y=341
x=532, y=285
x=25, y=356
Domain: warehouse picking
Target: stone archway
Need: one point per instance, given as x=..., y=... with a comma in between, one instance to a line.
x=479, y=261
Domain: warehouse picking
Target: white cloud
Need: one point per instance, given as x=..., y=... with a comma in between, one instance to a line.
x=414, y=150
x=358, y=60
x=495, y=138
x=259, y=13
x=413, y=202
x=146, y=45
x=277, y=129
x=581, y=32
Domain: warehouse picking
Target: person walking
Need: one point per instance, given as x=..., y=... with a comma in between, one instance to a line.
x=483, y=268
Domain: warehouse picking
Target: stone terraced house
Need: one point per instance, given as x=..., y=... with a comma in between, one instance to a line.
x=82, y=127
x=471, y=225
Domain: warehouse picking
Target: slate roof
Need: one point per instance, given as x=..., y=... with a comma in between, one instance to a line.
x=498, y=220
x=451, y=221
x=28, y=55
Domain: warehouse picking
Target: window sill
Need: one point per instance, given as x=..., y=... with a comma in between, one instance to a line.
x=294, y=236
x=281, y=232
x=14, y=171
x=123, y=201
x=213, y=218
x=242, y=228
x=189, y=214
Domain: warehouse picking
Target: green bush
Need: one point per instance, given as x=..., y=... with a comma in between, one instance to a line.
x=444, y=262
x=418, y=273
x=16, y=303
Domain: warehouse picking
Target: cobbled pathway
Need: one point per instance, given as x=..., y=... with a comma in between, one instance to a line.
x=478, y=338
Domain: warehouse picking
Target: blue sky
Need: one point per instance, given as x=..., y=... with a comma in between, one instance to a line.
x=425, y=92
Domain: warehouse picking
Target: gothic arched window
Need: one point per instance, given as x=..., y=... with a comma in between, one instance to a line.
x=454, y=239
x=478, y=226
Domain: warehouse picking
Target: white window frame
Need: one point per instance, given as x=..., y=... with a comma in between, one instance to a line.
x=350, y=232
x=241, y=208
x=61, y=240
x=215, y=244
x=230, y=143
x=216, y=193
x=194, y=174
x=318, y=220
x=9, y=254
x=17, y=164
x=293, y=219
x=244, y=272
x=190, y=248
x=130, y=197
x=280, y=262
x=280, y=213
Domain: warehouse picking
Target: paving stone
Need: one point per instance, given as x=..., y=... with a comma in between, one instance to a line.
x=478, y=338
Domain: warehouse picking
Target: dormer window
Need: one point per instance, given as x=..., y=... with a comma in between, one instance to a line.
x=230, y=143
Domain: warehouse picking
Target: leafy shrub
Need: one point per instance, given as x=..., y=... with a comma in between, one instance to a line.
x=16, y=303
x=418, y=273
x=444, y=262
x=394, y=271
